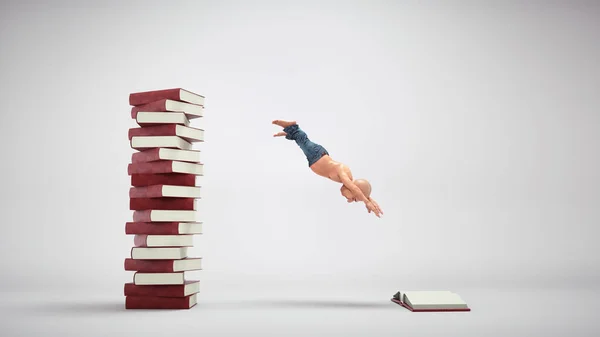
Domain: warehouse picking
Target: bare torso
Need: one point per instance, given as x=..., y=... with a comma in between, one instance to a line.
x=329, y=168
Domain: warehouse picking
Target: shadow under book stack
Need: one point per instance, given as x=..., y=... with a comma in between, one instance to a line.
x=163, y=197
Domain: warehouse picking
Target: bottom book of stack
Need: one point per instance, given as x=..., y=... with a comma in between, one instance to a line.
x=161, y=266
x=161, y=296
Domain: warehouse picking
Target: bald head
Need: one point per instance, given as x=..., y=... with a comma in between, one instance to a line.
x=364, y=186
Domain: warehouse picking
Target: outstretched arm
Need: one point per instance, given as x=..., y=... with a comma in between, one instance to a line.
x=375, y=205
x=358, y=193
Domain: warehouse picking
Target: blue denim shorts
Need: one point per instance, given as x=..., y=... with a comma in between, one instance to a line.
x=312, y=150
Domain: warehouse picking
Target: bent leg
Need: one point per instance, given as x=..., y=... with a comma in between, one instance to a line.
x=312, y=150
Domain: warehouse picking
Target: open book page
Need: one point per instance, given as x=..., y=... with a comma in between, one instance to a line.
x=433, y=300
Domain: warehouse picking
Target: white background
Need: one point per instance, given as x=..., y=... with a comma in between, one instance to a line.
x=477, y=125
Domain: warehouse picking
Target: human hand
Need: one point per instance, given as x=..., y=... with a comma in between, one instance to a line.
x=372, y=206
x=376, y=206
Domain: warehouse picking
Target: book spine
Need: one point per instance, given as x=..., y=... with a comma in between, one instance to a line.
x=142, y=216
x=150, y=266
x=156, y=302
x=141, y=98
x=145, y=156
x=153, y=191
x=131, y=289
x=140, y=240
x=156, y=106
x=162, y=203
x=159, y=130
x=153, y=228
x=162, y=166
x=180, y=179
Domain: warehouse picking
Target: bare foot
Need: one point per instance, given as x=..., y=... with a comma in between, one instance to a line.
x=283, y=124
x=279, y=134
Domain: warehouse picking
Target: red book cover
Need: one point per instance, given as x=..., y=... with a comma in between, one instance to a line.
x=147, y=125
x=156, y=130
x=151, y=155
x=142, y=216
x=165, y=166
x=155, y=302
x=175, y=204
x=166, y=105
x=131, y=289
x=178, y=179
x=146, y=156
x=152, y=266
x=157, y=228
x=154, y=106
x=176, y=94
x=154, y=191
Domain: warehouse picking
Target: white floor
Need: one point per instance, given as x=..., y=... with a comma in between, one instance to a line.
x=316, y=312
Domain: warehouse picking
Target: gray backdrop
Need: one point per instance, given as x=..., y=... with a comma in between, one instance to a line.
x=477, y=124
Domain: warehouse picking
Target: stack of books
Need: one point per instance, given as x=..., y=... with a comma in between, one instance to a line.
x=163, y=197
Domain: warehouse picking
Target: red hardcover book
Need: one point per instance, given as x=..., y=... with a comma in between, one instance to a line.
x=156, y=302
x=176, y=94
x=154, y=191
x=157, y=154
x=177, y=179
x=176, y=204
x=163, y=228
x=163, y=266
x=180, y=290
x=165, y=166
x=191, y=111
x=188, y=133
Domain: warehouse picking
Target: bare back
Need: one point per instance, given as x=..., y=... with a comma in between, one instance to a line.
x=330, y=169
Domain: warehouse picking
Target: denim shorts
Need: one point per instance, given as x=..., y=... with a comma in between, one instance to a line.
x=312, y=150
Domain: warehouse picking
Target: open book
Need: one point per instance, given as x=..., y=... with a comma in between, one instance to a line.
x=430, y=301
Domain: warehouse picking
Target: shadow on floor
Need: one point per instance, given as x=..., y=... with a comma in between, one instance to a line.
x=295, y=304
x=104, y=307
x=74, y=308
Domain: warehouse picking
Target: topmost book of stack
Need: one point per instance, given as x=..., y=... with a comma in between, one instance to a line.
x=167, y=100
x=176, y=94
